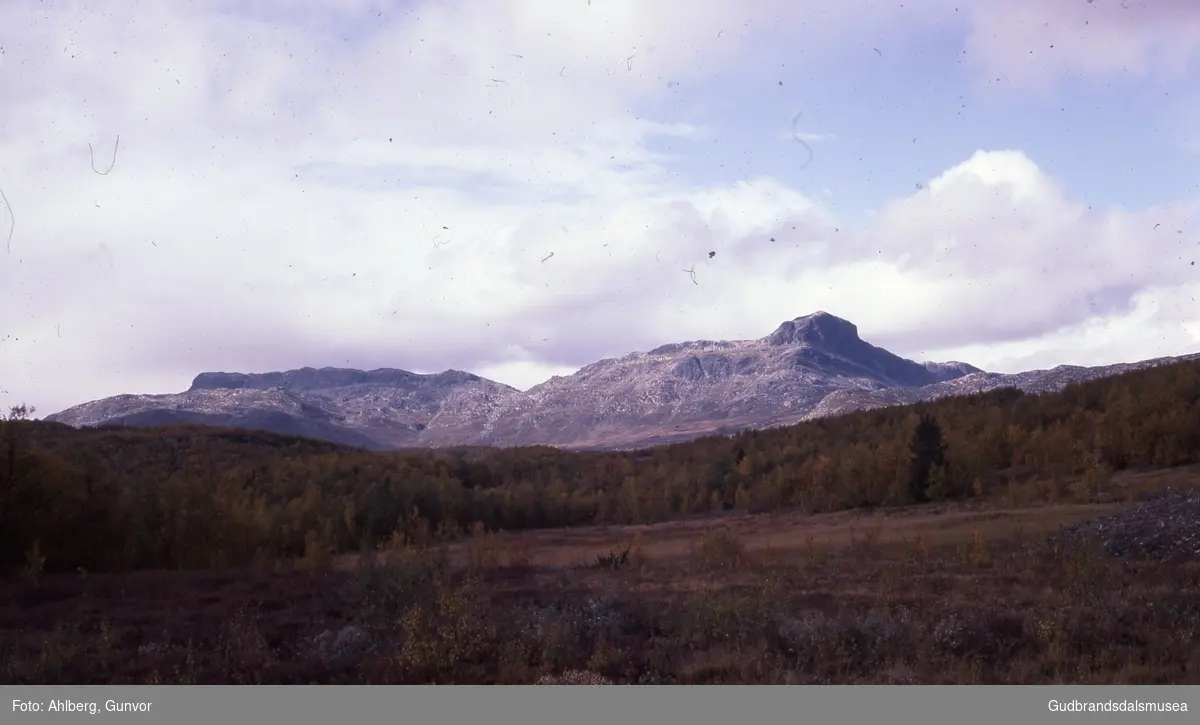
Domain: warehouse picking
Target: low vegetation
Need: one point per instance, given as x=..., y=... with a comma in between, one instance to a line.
x=899, y=545
x=925, y=595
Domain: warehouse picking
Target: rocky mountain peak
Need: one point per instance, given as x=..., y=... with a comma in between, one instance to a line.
x=820, y=329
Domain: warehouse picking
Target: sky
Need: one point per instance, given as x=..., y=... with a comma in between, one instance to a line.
x=518, y=188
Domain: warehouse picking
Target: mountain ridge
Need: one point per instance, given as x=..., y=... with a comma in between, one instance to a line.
x=811, y=366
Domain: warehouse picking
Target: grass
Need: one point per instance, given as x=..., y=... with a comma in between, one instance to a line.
x=934, y=594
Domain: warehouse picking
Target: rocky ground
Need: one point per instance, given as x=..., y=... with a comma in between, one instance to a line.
x=1163, y=528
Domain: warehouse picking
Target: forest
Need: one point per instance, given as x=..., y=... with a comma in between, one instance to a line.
x=191, y=498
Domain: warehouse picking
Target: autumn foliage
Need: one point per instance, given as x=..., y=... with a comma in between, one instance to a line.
x=115, y=498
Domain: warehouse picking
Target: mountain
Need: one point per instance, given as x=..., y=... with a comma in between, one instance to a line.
x=376, y=409
x=684, y=390
x=809, y=367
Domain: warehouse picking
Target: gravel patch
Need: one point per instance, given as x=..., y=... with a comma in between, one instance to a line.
x=1164, y=528
x=575, y=677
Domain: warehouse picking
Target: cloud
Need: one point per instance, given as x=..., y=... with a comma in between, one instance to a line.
x=368, y=184
x=813, y=137
x=1160, y=322
x=1036, y=43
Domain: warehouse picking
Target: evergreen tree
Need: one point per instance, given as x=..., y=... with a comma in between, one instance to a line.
x=925, y=452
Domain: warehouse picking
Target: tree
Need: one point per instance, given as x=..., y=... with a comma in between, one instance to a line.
x=926, y=451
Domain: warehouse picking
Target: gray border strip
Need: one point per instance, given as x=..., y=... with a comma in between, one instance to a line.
x=548, y=705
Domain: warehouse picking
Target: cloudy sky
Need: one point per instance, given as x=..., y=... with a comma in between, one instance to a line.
x=516, y=187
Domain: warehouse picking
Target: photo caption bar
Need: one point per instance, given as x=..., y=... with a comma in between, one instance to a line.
x=542, y=705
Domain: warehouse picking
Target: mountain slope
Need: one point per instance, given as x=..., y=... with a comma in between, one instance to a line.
x=682, y=390
x=811, y=366
x=1033, y=381
x=377, y=409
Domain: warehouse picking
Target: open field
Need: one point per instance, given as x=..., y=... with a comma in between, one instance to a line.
x=764, y=536
x=945, y=593
x=768, y=535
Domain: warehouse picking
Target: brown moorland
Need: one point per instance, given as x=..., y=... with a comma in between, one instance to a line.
x=939, y=593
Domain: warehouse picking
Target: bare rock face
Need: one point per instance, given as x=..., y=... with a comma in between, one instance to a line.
x=809, y=367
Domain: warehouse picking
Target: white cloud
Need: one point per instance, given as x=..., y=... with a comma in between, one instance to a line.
x=1161, y=322
x=1035, y=43
x=813, y=137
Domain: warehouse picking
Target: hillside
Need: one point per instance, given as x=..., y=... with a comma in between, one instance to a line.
x=186, y=496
